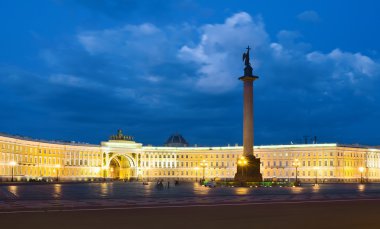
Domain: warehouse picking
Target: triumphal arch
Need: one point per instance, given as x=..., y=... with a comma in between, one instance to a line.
x=120, y=157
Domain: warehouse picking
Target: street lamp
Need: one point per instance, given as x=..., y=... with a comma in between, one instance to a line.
x=203, y=164
x=57, y=166
x=140, y=174
x=296, y=163
x=147, y=173
x=196, y=173
x=13, y=164
x=361, y=170
x=316, y=175
x=104, y=172
x=242, y=162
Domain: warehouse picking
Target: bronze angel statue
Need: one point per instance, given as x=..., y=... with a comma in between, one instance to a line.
x=248, y=67
x=246, y=57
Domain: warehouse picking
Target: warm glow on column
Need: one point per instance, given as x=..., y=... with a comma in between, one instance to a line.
x=242, y=161
x=12, y=163
x=57, y=166
x=361, y=169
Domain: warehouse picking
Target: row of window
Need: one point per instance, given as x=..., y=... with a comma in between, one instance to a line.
x=315, y=154
x=171, y=164
x=289, y=163
x=191, y=173
x=185, y=156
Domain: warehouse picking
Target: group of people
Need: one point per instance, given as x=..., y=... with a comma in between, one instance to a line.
x=160, y=184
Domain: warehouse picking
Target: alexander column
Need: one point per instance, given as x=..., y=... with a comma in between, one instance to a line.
x=248, y=166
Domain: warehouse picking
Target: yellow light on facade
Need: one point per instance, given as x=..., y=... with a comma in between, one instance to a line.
x=12, y=163
x=97, y=169
x=203, y=163
x=361, y=169
x=57, y=166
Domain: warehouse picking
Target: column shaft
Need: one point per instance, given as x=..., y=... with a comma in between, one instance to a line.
x=248, y=118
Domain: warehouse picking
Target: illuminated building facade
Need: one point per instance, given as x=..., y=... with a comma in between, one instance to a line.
x=123, y=158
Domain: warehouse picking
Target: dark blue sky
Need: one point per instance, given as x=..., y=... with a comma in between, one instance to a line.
x=79, y=70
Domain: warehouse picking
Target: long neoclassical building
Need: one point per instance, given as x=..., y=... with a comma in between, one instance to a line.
x=23, y=159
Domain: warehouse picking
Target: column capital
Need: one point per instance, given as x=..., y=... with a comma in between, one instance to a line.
x=248, y=78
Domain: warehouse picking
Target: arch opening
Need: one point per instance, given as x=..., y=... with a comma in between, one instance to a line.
x=120, y=168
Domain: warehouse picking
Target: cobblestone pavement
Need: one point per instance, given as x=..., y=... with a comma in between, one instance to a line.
x=136, y=195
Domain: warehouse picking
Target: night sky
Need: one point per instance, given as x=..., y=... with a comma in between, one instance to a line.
x=80, y=70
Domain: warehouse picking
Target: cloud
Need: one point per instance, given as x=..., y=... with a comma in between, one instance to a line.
x=221, y=44
x=158, y=79
x=309, y=16
x=345, y=64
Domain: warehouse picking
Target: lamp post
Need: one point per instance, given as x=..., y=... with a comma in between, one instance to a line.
x=12, y=164
x=196, y=173
x=316, y=175
x=96, y=171
x=104, y=168
x=112, y=174
x=203, y=164
x=242, y=162
x=140, y=174
x=361, y=170
x=57, y=166
x=296, y=163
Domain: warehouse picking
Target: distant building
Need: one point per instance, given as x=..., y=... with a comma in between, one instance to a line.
x=123, y=158
x=176, y=140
